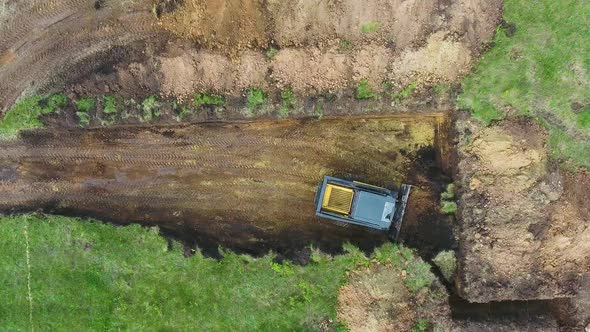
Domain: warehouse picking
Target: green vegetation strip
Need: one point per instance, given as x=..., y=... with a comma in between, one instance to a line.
x=26, y=113
x=86, y=275
x=539, y=67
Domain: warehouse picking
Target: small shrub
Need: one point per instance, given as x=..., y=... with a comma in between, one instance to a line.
x=447, y=263
x=318, y=109
x=85, y=105
x=370, y=27
x=206, y=99
x=364, y=91
x=288, y=102
x=345, y=45
x=405, y=92
x=419, y=275
x=256, y=98
x=83, y=119
x=449, y=193
x=110, y=105
x=150, y=108
x=421, y=326
x=448, y=207
x=271, y=53
x=54, y=102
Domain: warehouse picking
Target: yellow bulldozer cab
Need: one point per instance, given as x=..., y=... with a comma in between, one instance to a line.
x=338, y=199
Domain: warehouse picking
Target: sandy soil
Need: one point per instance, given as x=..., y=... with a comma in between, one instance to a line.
x=208, y=182
x=525, y=222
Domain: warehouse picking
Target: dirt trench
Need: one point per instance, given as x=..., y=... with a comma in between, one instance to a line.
x=207, y=183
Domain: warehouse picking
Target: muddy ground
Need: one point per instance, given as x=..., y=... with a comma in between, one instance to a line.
x=522, y=222
x=207, y=183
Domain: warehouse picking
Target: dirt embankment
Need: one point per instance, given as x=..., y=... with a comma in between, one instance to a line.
x=225, y=46
x=207, y=183
x=525, y=222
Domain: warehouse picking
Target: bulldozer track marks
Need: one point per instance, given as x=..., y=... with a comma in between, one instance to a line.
x=204, y=178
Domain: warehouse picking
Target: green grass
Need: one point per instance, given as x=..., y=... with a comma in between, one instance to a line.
x=256, y=98
x=364, y=91
x=85, y=105
x=206, y=99
x=539, y=71
x=447, y=263
x=288, y=100
x=370, y=27
x=405, y=92
x=27, y=113
x=86, y=275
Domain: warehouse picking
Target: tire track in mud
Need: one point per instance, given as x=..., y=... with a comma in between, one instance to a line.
x=246, y=186
x=47, y=41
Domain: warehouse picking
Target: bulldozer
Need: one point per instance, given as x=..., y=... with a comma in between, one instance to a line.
x=352, y=202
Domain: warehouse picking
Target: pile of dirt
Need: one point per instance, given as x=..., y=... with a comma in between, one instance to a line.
x=376, y=299
x=525, y=229
x=216, y=45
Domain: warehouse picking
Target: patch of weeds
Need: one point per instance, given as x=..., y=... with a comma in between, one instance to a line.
x=421, y=326
x=207, y=99
x=448, y=207
x=83, y=119
x=370, y=27
x=345, y=46
x=256, y=99
x=27, y=113
x=364, y=91
x=447, y=263
x=271, y=53
x=441, y=89
x=318, y=109
x=110, y=105
x=288, y=100
x=449, y=193
x=419, y=275
x=85, y=104
x=55, y=102
x=185, y=113
x=150, y=109
x=405, y=92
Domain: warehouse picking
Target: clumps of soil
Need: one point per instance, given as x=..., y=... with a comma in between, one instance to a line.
x=377, y=299
x=229, y=24
x=525, y=222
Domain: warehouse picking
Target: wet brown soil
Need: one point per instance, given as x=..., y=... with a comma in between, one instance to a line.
x=247, y=186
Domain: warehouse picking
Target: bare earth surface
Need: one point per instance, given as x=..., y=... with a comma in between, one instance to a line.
x=207, y=183
x=525, y=222
x=217, y=45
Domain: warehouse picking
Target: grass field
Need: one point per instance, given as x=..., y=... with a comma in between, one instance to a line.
x=541, y=69
x=93, y=276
